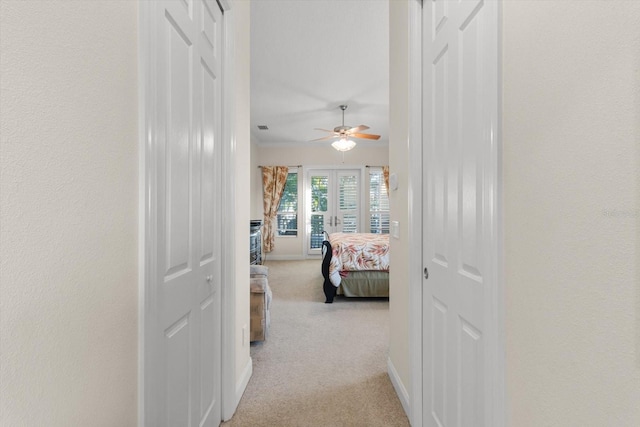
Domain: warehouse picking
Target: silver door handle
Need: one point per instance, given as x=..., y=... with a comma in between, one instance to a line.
x=209, y=279
x=330, y=221
x=426, y=273
x=337, y=221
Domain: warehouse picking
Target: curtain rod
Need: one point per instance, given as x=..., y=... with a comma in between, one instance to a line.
x=299, y=166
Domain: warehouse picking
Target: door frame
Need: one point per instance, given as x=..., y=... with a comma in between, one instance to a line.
x=147, y=169
x=415, y=210
x=415, y=197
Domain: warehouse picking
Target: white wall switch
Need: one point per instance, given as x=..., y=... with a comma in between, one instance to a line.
x=395, y=229
x=393, y=181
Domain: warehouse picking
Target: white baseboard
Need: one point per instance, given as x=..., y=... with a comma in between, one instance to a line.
x=401, y=390
x=269, y=257
x=241, y=386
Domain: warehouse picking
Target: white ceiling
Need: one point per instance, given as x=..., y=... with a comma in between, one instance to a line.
x=310, y=56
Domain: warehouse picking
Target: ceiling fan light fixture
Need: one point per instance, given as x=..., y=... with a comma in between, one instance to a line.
x=344, y=133
x=343, y=144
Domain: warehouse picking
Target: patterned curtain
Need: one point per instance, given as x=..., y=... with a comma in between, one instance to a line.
x=385, y=173
x=273, y=180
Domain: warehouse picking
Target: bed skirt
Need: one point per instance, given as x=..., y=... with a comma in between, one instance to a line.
x=365, y=284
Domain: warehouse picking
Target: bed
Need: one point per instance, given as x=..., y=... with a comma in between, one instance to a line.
x=355, y=265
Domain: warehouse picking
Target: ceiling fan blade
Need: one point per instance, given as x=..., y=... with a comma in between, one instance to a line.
x=358, y=129
x=324, y=130
x=365, y=136
x=323, y=138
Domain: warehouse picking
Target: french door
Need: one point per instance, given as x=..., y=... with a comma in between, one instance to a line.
x=334, y=204
x=460, y=208
x=182, y=351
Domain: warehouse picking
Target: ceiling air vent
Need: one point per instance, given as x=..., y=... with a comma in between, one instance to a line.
x=263, y=127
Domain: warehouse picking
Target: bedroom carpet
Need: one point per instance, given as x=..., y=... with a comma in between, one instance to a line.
x=322, y=364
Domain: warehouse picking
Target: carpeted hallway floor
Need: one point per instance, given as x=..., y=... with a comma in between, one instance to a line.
x=322, y=364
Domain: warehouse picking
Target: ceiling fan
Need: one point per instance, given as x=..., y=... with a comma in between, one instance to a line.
x=344, y=133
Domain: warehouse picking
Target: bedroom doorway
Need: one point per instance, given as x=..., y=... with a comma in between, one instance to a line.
x=334, y=200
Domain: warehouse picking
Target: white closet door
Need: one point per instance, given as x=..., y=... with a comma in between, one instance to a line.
x=460, y=118
x=182, y=357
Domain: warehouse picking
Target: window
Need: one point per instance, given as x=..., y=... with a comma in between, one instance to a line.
x=287, y=218
x=378, y=202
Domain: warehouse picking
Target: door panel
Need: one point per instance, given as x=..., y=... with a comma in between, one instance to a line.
x=439, y=180
x=334, y=204
x=178, y=149
x=460, y=107
x=208, y=374
x=439, y=358
x=208, y=162
x=182, y=358
x=471, y=400
x=349, y=192
x=320, y=206
x=177, y=378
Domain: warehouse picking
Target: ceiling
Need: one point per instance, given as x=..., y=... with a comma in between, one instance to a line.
x=310, y=56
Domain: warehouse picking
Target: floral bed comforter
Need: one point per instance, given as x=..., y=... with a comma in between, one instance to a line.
x=357, y=252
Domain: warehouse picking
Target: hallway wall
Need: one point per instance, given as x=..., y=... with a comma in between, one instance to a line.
x=242, y=69
x=399, y=302
x=572, y=212
x=68, y=212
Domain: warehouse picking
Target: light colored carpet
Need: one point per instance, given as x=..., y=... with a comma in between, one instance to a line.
x=322, y=364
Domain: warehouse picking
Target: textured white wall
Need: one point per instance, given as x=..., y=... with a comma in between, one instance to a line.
x=399, y=199
x=571, y=174
x=325, y=155
x=68, y=212
x=256, y=184
x=293, y=247
x=243, y=164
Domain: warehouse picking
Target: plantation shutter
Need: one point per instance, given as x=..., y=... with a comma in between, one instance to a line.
x=348, y=201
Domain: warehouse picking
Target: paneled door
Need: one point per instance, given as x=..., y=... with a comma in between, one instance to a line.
x=335, y=197
x=460, y=89
x=182, y=329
